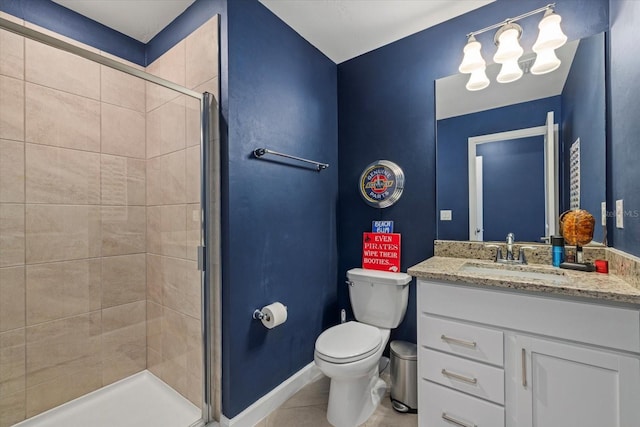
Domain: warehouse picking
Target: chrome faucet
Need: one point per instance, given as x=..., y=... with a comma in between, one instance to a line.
x=509, y=259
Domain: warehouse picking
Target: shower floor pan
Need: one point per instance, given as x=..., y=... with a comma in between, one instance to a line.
x=140, y=400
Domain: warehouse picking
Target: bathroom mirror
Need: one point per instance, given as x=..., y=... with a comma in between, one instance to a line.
x=517, y=180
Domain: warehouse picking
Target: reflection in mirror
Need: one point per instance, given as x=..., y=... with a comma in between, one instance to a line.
x=526, y=205
x=521, y=181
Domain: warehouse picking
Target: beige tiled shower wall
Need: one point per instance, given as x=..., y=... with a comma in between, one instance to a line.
x=99, y=221
x=174, y=339
x=72, y=227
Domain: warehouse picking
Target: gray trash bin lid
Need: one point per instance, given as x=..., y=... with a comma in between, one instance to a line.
x=404, y=350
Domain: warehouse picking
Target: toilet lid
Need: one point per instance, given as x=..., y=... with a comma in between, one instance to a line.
x=348, y=342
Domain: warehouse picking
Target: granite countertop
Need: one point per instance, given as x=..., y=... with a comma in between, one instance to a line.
x=605, y=287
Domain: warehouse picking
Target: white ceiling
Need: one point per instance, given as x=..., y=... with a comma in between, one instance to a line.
x=344, y=29
x=140, y=19
x=341, y=29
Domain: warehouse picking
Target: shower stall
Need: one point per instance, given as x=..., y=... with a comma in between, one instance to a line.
x=109, y=281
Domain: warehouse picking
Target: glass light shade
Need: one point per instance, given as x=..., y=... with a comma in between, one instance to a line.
x=546, y=62
x=509, y=72
x=509, y=48
x=478, y=80
x=550, y=35
x=473, y=59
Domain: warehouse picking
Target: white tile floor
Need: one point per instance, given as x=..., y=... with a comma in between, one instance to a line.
x=137, y=401
x=308, y=408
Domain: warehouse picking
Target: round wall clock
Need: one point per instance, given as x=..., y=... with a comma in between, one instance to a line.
x=381, y=183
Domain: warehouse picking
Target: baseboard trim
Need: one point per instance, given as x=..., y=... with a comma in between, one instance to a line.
x=272, y=400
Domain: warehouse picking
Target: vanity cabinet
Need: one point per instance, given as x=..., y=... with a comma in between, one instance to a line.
x=500, y=358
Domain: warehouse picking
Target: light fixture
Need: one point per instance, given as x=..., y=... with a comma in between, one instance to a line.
x=473, y=59
x=509, y=50
x=506, y=39
x=509, y=72
x=551, y=35
x=478, y=80
x=550, y=38
x=546, y=62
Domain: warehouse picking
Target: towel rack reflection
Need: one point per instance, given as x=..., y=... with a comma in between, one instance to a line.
x=259, y=152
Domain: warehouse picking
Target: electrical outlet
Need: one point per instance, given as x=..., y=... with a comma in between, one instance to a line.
x=603, y=213
x=445, y=215
x=619, y=214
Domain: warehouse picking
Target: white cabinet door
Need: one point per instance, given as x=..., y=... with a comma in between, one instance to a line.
x=557, y=384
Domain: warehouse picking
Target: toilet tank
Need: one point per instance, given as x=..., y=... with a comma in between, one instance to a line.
x=378, y=298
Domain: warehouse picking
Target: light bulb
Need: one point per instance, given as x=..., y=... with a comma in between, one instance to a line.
x=509, y=72
x=550, y=35
x=473, y=59
x=546, y=62
x=508, y=46
x=478, y=80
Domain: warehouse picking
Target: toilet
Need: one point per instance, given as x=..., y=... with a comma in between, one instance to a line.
x=349, y=353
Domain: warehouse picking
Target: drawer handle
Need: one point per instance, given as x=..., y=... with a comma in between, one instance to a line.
x=469, y=380
x=471, y=344
x=524, y=368
x=455, y=421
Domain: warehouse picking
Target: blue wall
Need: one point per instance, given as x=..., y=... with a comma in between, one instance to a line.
x=513, y=188
x=583, y=116
x=624, y=150
x=279, y=221
x=386, y=110
x=453, y=169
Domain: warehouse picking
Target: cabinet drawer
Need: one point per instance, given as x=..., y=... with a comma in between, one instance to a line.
x=442, y=407
x=474, y=342
x=461, y=374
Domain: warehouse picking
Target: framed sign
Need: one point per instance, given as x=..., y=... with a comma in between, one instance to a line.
x=381, y=251
x=381, y=183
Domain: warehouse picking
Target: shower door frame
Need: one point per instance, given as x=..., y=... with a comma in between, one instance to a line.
x=209, y=218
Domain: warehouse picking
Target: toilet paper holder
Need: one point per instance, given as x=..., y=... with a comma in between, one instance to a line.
x=259, y=315
x=271, y=315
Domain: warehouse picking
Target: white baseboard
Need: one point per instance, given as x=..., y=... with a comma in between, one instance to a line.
x=272, y=400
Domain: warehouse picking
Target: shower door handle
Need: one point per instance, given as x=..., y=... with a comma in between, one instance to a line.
x=202, y=252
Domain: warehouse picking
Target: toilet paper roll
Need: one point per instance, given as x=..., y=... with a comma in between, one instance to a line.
x=274, y=314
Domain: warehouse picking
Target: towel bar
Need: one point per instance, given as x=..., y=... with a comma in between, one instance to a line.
x=259, y=152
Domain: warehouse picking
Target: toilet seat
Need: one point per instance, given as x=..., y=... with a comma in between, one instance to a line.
x=348, y=342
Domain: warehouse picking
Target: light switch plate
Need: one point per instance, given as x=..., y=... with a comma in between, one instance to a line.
x=603, y=213
x=619, y=214
x=445, y=215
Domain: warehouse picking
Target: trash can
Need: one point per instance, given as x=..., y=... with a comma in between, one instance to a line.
x=404, y=376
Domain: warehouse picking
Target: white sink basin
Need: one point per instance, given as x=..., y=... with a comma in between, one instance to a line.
x=556, y=277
